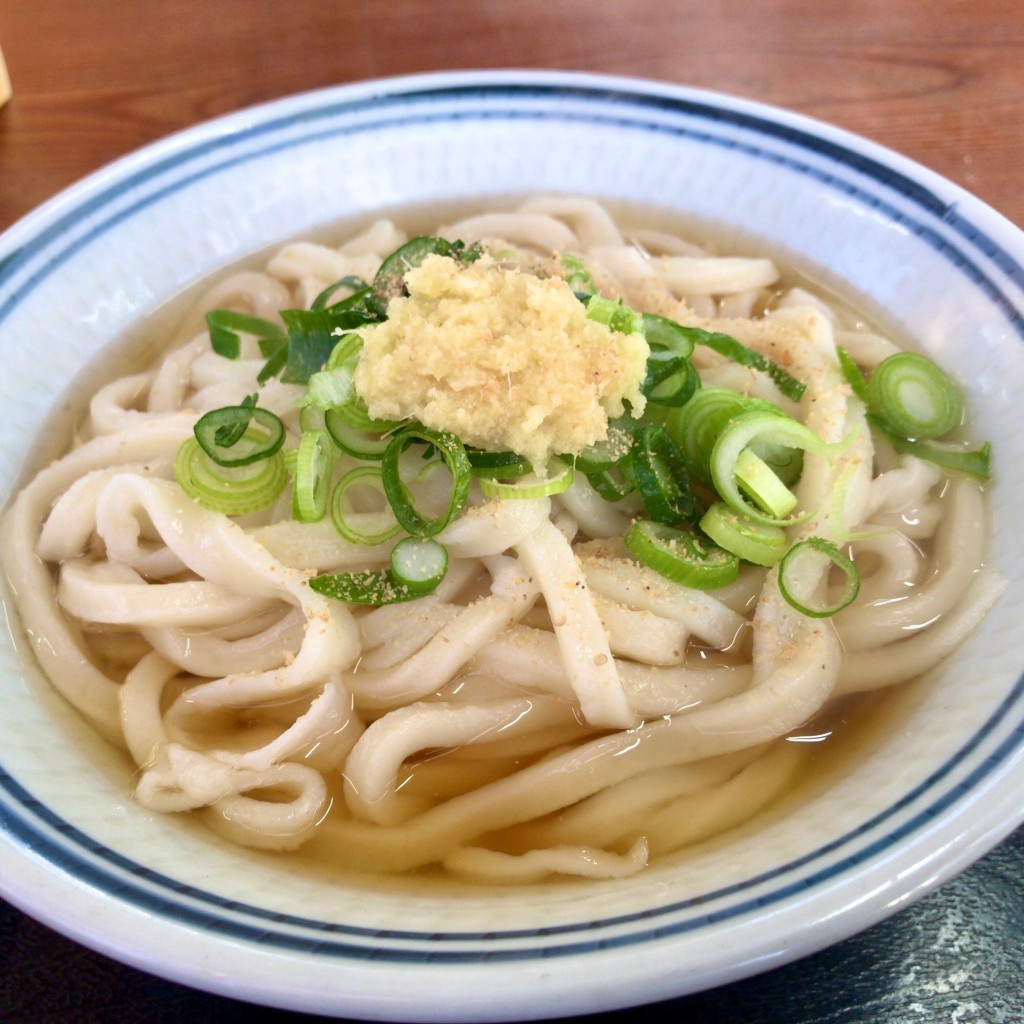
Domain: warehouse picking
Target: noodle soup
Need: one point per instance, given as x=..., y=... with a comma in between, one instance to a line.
x=567, y=695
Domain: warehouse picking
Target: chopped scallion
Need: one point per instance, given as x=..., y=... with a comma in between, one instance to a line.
x=742, y=431
x=730, y=348
x=577, y=276
x=803, y=572
x=389, y=281
x=661, y=477
x=665, y=334
x=614, y=315
x=358, y=288
x=419, y=563
x=361, y=444
x=455, y=458
x=696, y=426
x=417, y=566
x=681, y=556
x=760, y=543
x=362, y=527
x=915, y=396
x=558, y=479
x=233, y=490
x=972, y=461
x=311, y=485
x=237, y=435
x=761, y=483
x=227, y=327
x=852, y=374
x=497, y=465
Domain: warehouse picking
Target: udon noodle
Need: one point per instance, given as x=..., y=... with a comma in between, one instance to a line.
x=554, y=707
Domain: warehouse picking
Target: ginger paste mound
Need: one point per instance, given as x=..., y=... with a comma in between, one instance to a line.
x=502, y=358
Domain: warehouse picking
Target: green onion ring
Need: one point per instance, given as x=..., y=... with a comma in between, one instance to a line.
x=789, y=572
x=559, y=479
x=681, y=556
x=497, y=465
x=419, y=563
x=232, y=490
x=743, y=430
x=362, y=527
x=455, y=458
x=661, y=477
x=915, y=397
x=759, y=543
x=311, y=485
x=261, y=434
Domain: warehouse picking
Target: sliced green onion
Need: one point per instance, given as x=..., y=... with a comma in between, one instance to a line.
x=660, y=473
x=915, y=397
x=602, y=455
x=235, y=425
x=497, y=465
x=681, y=556
x=389, y=281
x=666, y=334
x=310, y=418
x=696, y=426
x=727, y=346
x=614, y=482
x=417, y=566
x=671, y=380
x=785, y=462
x=577, y=276
x=312, y=338
x=277, y=358
x=419, y=563
x=355, y=414
x=559, y=479
x=369, y=445
x=328, y=389
x=801, y=571
x=740, y=432
x=226, y=328
x=232, y=490
x=760, y=482
x=614, y=315
x=311, y=485
x=333, y=389
x=345, y=354
x=760, y=543
x=974, y=462
x=358, y=288
x=362, y=527
x=237, y=435
x=455, y=458
x=852, y=373
x=376, y=587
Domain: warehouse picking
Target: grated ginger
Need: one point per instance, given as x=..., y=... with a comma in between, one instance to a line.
x=503, y=359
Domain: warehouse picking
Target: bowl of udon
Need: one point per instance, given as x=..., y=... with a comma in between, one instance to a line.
x=490, y=546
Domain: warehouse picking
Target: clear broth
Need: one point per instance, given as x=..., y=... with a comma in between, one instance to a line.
x=843, y=736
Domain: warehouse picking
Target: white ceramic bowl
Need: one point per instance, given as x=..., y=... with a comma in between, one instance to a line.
x=936, y=794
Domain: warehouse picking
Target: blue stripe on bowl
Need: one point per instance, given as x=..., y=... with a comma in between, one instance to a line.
x=120, y=877
x=35, y=825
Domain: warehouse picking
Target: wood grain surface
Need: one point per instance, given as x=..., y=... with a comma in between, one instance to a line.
x=941, y=81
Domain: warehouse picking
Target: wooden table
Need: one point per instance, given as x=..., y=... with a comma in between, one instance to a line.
x=942, y=81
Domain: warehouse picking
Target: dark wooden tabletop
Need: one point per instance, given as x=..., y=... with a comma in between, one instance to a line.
x=941, y=81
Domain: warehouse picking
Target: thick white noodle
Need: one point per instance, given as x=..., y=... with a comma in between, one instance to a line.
x=555, y=708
